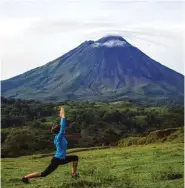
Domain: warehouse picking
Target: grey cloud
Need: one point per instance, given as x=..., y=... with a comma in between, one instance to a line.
x=49, y=27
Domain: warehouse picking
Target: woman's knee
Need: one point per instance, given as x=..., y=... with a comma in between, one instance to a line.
x=43, y=174
x=75, y=158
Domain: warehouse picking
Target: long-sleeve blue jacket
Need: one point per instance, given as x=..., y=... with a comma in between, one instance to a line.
x=60, y=141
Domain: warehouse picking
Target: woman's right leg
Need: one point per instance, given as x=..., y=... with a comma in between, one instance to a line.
x=52, y=166
x=33, y=175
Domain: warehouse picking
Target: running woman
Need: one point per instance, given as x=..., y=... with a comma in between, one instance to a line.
x=60, y=157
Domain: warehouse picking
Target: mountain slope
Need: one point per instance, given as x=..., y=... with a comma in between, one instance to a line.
x=109, y=68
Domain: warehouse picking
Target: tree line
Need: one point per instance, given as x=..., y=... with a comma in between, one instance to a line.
x=98, y=123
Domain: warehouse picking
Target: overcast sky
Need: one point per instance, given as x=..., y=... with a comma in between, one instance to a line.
x=34, y=32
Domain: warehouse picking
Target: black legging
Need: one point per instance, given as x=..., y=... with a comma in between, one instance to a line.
x=55, y=162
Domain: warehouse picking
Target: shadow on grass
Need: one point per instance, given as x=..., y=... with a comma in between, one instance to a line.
x=80, y=184
x=15, y=180
x=167, y=175
x=170, y=176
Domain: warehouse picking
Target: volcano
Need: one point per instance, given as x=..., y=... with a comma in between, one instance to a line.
x=107, y=69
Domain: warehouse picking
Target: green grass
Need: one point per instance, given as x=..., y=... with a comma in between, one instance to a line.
x=149, y=166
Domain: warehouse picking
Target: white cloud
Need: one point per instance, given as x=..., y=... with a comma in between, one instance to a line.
x=110, y=43
x=14, y=26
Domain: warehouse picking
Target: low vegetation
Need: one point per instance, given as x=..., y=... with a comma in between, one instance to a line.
x=159, y=136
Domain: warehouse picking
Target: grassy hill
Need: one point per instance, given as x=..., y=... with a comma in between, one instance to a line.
x=157, y=165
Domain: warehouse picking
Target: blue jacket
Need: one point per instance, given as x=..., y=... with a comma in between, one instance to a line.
x=60, y=141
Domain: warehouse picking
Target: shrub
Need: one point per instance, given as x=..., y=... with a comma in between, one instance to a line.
x=175, y=134
x=25, y=141
x=128, y=141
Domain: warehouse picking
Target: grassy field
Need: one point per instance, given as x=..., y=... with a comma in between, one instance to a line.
x=147, y=166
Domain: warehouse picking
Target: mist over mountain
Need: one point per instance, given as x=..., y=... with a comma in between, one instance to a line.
x=107, y=69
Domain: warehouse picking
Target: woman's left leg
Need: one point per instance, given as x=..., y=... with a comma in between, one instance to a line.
x=74, y=160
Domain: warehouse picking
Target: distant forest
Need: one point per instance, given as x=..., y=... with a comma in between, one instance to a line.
x=26, y=124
